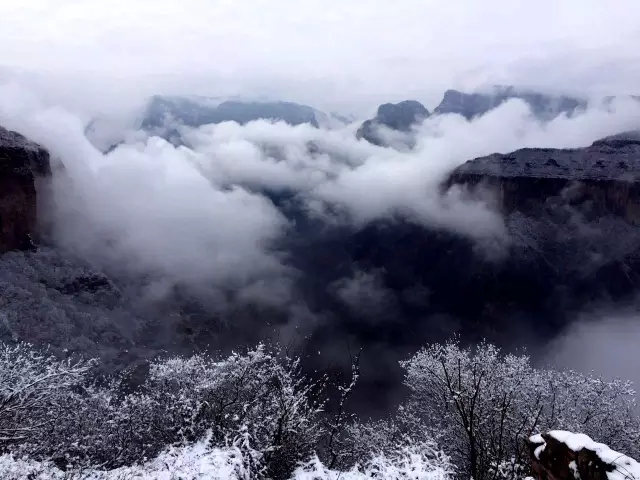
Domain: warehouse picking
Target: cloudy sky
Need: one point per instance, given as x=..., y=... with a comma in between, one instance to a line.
x=328, y=52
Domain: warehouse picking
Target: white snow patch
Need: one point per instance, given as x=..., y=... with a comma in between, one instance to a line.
x=200, y=461
x=197, y=461
x=574, y=469
x=538, y=451
x=537, y=438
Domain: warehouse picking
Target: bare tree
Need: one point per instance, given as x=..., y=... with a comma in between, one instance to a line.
x=337, y=424
x=258, y=396
x=33, y=385
x=481, y=404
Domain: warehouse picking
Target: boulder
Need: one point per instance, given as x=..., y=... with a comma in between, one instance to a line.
x=560, y=455
x=21, y=163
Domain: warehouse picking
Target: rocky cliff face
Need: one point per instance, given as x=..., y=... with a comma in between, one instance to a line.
x=575, y=211
x=21, y=162
x=559, y=455
x=598, y=180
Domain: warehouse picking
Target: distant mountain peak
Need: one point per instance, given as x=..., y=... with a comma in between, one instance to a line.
x=195, y=111
x=476, y=104
x=164, y=114
x=401, y=117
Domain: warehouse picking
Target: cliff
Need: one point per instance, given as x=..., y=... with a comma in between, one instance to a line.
x=21, y=162
x=598, y=180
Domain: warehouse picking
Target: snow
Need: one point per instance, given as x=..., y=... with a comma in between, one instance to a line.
x=538, y=440
x=411, y=466
x=197, y=461
x=200, y=461
x=573, y=466
x=625, y=467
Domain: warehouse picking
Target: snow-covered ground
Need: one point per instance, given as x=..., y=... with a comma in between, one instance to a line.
x=199, y=461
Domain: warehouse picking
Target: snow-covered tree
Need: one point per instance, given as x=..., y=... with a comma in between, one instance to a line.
x=258, y=391
x=602, y=409
x=257, y=396
x=407, y=461
x=259, y=415
x=33, y=387
x=480, y=404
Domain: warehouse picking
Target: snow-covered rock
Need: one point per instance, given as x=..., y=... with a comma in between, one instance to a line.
x=561, y=455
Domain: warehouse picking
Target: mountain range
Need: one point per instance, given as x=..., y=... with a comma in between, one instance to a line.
x=570, y=216
x=164, y=115
x=404, y=116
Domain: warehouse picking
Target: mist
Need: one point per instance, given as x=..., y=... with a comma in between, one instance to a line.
x=603, y=341
x=251, y=232
x=329, y=54
x=199, y=214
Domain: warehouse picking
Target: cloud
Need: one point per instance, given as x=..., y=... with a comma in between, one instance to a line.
x=147, y=209
x=202, y=214
x=330, y=53
x=604, y=342
x=366, y=296
x=203, y=218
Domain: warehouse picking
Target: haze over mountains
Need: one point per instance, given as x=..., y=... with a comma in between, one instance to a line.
x=211, y=223
x=163, y=115
x=319, y=239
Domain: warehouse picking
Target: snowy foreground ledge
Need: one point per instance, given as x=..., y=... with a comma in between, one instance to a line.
x=560, y=455
x=200, y=461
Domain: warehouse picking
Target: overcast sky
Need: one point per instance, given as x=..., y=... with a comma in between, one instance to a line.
x=331, y=53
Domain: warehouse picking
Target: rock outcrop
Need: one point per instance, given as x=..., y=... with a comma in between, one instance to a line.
x=559, y=455
x=601, y=179
x=400, y=117
x=471, y=105
x=21, y=163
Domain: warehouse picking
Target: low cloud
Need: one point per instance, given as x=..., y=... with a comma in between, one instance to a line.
x=202, y=214
x=366, y=296
x=206, y=231
x=604, y=342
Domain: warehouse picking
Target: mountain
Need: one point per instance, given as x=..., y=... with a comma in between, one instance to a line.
x=472, y=105
x=22, y=163
x=196, y=111
x=163, y=115
x=394, y=116
x=402, y=116
x=391, y=285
